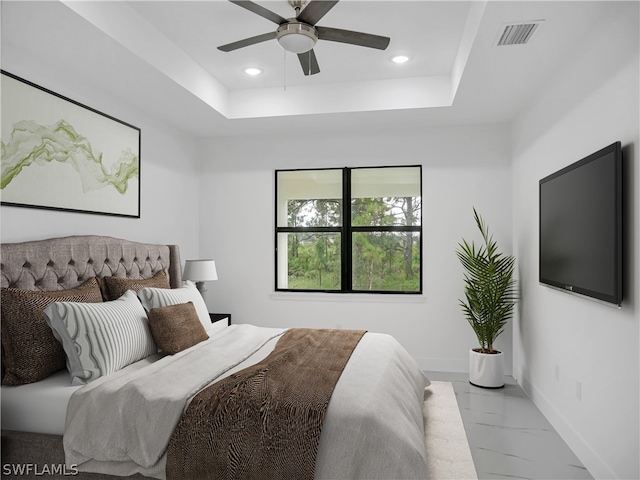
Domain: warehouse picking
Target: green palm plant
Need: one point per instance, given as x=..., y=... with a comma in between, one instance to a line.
x=489, y=287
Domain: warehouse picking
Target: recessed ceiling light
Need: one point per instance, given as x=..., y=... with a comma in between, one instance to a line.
x=253, y=71
x=400, y=59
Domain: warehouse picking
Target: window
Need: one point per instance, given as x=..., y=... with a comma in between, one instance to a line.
x=351, y=230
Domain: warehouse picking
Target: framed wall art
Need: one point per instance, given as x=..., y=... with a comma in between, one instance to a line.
x=58, y=154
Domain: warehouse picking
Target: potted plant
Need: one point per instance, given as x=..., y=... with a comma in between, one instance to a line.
x=490, y=297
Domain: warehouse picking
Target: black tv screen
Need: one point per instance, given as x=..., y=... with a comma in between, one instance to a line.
x=581, y=226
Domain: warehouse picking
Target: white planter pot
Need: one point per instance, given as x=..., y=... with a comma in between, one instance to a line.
x=486, y=369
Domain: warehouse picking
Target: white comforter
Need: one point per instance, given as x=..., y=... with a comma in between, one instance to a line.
x=373, y=428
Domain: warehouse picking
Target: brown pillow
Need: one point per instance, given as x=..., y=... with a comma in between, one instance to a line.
x=176, y=327
x=116, y=286
x=31, y=352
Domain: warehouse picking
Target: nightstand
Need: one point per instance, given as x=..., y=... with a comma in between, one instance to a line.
x=216, y=317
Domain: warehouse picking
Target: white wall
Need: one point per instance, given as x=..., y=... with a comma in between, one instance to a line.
x=462, y=167
x=169, y=165
x=592, y=103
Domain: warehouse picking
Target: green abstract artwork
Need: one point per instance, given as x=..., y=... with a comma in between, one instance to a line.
x=38, y=144
x=59, y=154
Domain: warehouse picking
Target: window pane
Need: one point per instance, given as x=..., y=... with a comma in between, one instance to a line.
x=312, y=262
x=387, y=211
x=386, y=196
x=314, y=213
x=309, y=198
x=386, y=261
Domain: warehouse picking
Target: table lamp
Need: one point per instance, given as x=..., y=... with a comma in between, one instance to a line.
x=200, y=271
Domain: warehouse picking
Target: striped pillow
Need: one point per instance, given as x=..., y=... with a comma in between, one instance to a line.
x=163, y=297
x=102, y=338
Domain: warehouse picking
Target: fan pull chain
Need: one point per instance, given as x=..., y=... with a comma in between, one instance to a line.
x=309, y=57
x=284, y=70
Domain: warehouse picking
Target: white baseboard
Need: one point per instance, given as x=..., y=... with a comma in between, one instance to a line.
x=589, y=458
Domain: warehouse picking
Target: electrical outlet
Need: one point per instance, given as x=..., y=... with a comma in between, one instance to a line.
x=579, y=390
x=557, y=372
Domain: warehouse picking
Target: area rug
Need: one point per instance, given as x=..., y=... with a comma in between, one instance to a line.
x=449, y=456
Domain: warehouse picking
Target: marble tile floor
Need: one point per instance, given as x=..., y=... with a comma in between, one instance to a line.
x=508, y=436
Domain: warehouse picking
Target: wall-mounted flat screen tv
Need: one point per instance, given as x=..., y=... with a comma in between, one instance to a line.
x=581, y=226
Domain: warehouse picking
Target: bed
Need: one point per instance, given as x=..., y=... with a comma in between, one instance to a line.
x=111, y=420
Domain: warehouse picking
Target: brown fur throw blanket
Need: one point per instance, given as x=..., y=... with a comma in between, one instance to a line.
x=263, y=422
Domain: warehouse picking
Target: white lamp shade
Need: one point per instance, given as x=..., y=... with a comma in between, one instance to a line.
x=200, y=270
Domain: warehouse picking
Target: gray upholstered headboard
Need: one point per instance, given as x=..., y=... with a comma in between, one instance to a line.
x=66, y=262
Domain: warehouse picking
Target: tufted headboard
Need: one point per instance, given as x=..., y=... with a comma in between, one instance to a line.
x=66, y=262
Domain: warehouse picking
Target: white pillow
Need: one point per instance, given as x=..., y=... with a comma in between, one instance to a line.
x=101, y=338
x=163, y=297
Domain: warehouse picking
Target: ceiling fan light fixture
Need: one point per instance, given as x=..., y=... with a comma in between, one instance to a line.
x=297, y=37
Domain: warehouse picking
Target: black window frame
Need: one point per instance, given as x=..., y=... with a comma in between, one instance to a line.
x=346, y=232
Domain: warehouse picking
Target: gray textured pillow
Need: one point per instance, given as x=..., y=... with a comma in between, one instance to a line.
x=100, y=339
x=176, y=327
x=116, y=286
x=31, y=352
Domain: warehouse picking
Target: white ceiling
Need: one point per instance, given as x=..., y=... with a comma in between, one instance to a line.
x=199, y=27
x=161, y=57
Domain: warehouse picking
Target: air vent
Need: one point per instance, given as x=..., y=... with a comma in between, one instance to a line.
x=517, y=33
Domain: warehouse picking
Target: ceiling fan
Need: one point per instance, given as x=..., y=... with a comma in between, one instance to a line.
x=300, y=34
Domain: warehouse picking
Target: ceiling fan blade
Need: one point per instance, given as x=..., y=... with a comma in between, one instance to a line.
x=354, y=38
x=260, y=10
x=309, y=62
x=315, y=10
x=247, y=41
